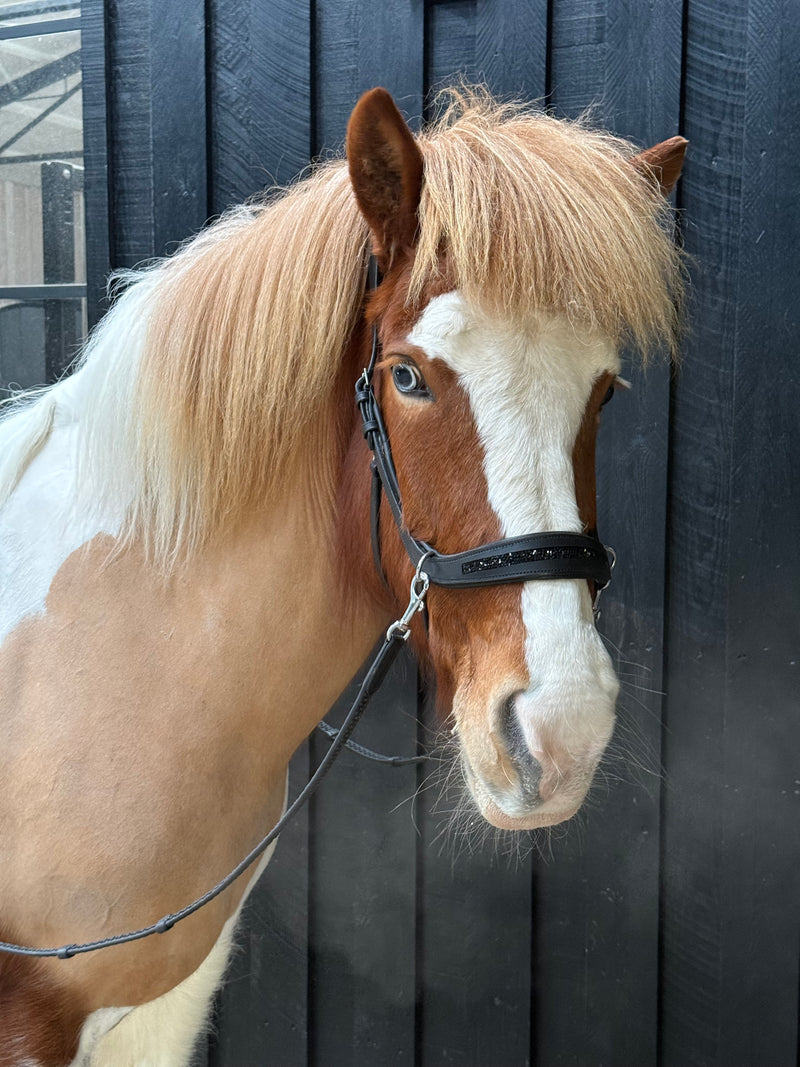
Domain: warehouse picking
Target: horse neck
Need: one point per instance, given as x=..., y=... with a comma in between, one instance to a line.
x=309, y=554
x=304, y=635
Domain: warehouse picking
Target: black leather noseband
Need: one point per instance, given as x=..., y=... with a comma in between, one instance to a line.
x=513, y=559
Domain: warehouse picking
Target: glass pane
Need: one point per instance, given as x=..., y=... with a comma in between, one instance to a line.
x=41, y=185
x=40, y=122
x=21, y=347
x=38, y=341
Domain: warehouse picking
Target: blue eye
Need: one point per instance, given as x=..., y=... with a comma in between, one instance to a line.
x=407, y=379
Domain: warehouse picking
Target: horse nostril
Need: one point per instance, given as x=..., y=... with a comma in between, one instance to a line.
x=511, y=729
x=527, y=766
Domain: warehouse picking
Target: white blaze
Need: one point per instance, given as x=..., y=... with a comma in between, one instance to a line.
x=528, y=385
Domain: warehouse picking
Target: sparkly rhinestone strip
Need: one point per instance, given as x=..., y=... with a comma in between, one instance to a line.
x=528, y=555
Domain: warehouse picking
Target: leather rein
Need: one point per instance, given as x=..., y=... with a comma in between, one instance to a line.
x=518, y=559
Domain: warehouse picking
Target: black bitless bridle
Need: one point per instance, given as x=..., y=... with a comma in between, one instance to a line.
x=533, y=557
x=513, y=559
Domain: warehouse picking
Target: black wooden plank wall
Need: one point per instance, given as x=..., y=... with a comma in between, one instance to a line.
x=730, y=821
x=660, y=927
x=596, y=958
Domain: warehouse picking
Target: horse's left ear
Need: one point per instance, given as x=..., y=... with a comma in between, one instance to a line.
x=386, y=172
x=664, y=161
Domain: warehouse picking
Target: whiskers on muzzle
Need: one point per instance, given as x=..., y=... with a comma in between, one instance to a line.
x=447, y=816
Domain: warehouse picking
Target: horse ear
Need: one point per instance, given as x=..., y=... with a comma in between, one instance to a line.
x=663, y=161
x=386, y=172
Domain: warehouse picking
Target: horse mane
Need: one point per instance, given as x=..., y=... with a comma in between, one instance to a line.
x=244, y=343
x=539, y=212
x=221, y=358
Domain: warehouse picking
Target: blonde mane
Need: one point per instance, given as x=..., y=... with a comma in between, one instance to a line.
x=243, y=345
x=247, y=324
x=539, y=212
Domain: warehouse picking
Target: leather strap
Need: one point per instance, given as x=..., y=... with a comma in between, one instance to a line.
x=559, y=554
x=377, y=672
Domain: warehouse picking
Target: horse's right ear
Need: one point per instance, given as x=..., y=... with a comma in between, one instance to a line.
x=386, y=172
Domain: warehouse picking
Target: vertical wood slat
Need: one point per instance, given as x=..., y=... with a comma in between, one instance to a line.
x=96, y=191
x=156, y=117
x=474, y=916
x=511, y=47
x=360, y=46
x=129, y=142
x=261, y=1014
x=362, y=902
x=259, y=124
x=259, y=95
x=450, y=43
x=699, y=476
x=763, y=688
x=62, y=325
x=475, y=902
x=362, y=891
x=731, y=826
x=178, y=116
x=596, y=902
x=498, y=44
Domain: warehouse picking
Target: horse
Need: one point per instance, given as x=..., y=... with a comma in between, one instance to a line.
x=185, y=540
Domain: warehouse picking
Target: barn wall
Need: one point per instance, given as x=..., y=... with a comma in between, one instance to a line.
x=660, y=927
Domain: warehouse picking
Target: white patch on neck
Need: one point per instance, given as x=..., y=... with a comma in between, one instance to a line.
x=40, y=526
x=528, y=386
x=42, y=522
x=66, y=459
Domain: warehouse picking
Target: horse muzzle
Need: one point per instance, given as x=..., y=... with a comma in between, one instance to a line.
x=536, y=765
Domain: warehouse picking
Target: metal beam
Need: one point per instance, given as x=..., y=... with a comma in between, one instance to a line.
x=40, y=157
x=40, y=78
x=39, y=29
x=67, y=291
x=37, y=7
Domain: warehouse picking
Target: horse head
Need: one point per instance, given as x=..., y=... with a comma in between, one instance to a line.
x=491, y=387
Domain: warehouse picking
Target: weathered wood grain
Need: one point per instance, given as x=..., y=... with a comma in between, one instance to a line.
x=474, y=936
x=731, y=805
x=359, y=46
x=362, y=897
x=156, y=120
x=450, y=37
x=261, y=1014
x=96, y=157
x=260, y=124
x=596, y=944
x=259, y=95
x=511, y=47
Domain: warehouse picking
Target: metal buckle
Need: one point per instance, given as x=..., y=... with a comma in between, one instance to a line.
x=612, y=564
x=420, y=583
